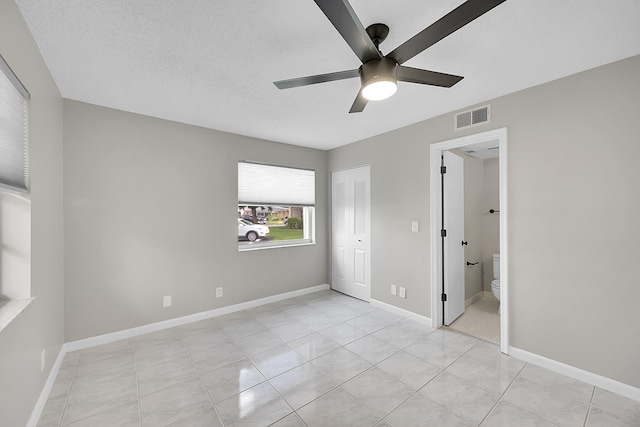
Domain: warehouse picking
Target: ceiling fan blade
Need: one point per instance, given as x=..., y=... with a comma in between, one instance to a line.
x=454, y=20
x=426, y=77
x=358, y=104
x=320, y=78
x=345, y=20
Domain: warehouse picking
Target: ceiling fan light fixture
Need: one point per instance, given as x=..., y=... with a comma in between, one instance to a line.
x=379, y=90
x=379, y=79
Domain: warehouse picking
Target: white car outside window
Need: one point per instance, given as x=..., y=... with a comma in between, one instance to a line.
x=251, y=231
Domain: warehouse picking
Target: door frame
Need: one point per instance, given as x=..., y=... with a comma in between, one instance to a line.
x=435, y=203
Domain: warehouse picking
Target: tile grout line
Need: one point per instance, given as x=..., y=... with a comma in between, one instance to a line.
x=66, y=399
x=586, y=418
x=268, y=380
x=504, y=392
x=358, y=400
x=135, y=368
x=338, y=385
x=200, y=374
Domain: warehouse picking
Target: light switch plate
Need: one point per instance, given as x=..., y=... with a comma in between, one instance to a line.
x=394, y=290
x=415, y=226
x=403, y=292
x=166, y=301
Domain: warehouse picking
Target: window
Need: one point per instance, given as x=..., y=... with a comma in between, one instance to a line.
x=275, y=206
x=15, y=203
x=14, y=171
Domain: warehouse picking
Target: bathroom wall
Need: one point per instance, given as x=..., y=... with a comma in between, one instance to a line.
x=481, y=228
x=473, y=223
x=490, y=222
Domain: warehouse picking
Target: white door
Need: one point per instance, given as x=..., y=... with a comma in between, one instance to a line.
x=351, y=229
x=453, y=248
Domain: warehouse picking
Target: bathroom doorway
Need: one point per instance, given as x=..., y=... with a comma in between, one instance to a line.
x=474, y=148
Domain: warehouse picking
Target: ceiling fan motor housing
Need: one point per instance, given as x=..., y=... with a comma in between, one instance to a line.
x=378, y=71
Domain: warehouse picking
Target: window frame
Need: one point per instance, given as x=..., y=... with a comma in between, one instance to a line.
x=308, y=212
x=15, y=200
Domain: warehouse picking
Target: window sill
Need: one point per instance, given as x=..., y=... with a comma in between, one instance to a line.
x=10, y=308
x=274, y=245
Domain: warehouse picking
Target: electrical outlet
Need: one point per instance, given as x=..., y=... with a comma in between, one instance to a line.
x=166, y=301
x=219, y=292
x=403, y=292
x=415, y=226
x=394, y=290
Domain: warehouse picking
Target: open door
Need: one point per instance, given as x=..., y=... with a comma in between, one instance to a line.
x=452, y=174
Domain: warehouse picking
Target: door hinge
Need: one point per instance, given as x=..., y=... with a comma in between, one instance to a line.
x=443, y=170
x=444, y=297
x=443, y=233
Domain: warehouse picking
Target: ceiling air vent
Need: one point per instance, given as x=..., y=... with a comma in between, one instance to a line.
x=472, y=118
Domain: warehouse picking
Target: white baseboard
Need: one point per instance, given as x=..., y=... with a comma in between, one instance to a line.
x=152, y=327
x=599, y=381
x=46, y=389
x=165, y=324
x=402, y=312
x=474, y=299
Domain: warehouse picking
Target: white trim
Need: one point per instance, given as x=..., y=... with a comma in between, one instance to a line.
x=435, y=151
x=599, y=381
x=11, y=308
x=46, y=389
x=504, y=244
x=276, y=245
x=401, y=312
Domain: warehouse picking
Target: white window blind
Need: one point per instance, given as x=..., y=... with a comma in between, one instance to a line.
x=14, y=171
x=260, y=184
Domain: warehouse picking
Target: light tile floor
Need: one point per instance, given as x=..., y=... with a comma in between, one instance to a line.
x=322, y=359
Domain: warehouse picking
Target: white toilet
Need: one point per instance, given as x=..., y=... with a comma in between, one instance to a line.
x=495, y=283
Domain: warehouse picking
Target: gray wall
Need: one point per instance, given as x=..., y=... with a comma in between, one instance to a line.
x=573, y=232
x=151, y=210
x=473, y=203
x=40, y=326
x=399, y=195
x=490, y=222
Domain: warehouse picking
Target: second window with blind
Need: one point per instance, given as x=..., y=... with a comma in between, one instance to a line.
x=276, y=206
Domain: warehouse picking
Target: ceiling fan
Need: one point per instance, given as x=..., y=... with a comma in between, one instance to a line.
x=380, y=73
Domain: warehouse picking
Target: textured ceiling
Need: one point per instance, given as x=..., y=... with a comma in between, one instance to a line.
x=212, y=63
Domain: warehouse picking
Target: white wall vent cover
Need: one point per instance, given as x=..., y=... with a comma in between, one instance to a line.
x=472, y=117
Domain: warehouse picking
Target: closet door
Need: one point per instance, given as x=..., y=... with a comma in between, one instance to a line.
x=351, y=231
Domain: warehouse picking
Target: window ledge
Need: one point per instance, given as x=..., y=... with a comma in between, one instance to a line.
x=10, y=308
x=275, y=245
